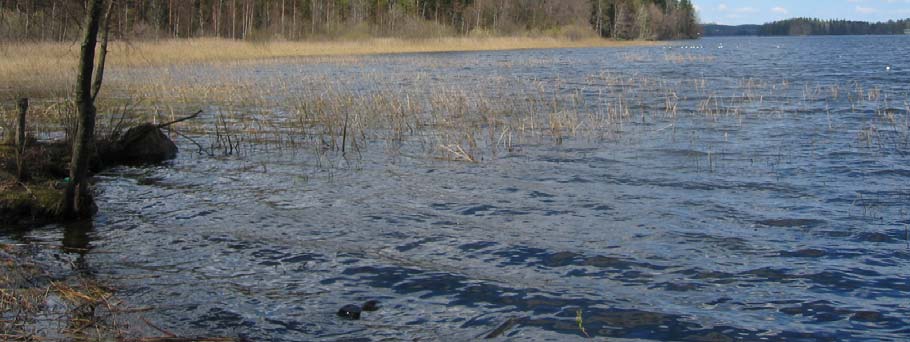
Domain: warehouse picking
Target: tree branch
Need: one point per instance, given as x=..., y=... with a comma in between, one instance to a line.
x=180, y=120
x=102, y=55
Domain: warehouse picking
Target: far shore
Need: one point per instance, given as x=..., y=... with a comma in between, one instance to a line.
x=26, y=67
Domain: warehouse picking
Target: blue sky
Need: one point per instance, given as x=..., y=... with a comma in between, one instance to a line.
x=737, y=12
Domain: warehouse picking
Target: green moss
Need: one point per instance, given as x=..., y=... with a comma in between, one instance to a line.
x=38, y=200
x=47, y=199
x=37, y=203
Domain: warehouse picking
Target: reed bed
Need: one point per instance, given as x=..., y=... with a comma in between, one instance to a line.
x=331, y=115
x=47, y=69
x=347, y=104
x=326, y=113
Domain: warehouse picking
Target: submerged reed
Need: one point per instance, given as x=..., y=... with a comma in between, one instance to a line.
x=345, y=105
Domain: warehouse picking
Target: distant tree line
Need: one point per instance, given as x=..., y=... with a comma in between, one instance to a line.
x=812, y=27
x=302, y=19
x=728, y=30
x=645, y=19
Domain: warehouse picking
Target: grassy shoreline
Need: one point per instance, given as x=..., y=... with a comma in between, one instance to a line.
x=204, y=50
x=196, y=50
x=50, y=66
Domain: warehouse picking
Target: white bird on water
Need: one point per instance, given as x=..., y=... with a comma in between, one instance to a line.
x=888, y=68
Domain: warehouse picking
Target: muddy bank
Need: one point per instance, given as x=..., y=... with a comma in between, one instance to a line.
x=38, y=196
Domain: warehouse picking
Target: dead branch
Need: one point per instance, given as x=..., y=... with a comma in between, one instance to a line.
x=180, y=120
x=168, y=333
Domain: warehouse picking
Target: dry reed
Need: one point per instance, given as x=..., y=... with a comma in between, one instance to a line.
x=326, y=113
x=47, y=68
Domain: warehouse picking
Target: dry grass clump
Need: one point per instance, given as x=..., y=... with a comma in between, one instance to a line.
x=44, y=302
x=37, y=306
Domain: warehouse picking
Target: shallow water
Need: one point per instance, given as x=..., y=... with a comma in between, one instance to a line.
x=781, y=224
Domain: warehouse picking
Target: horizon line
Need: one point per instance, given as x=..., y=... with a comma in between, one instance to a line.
x=816, y=18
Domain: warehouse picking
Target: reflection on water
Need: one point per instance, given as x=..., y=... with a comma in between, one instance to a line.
x=729, y=228
x=77, y=241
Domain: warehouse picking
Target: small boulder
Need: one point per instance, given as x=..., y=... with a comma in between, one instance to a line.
x=370, y=306
x=351, y=312
x=145, y=144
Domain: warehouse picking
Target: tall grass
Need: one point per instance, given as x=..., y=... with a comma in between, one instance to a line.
x=355, y=105
x=48, y=68
x=470, y=123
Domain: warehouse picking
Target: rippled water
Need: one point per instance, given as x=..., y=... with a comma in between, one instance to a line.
x=772, y=227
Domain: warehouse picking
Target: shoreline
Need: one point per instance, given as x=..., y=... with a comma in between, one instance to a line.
x=47, y=69
x=156, y=51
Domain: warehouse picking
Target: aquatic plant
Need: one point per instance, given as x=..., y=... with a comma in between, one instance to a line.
x=581, y=322
x=346, y=114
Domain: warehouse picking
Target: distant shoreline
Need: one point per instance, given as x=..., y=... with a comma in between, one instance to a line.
x=182, y=51
x=46, y=66
x=806, y=36
x=810, y=27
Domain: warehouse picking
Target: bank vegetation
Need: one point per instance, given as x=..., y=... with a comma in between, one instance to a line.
x=257, y=20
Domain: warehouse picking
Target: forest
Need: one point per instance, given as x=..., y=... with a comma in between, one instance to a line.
x=815, y=27
x=717, y=30
x=59, y=20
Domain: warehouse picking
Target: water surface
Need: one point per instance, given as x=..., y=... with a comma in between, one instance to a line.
x=783, y=221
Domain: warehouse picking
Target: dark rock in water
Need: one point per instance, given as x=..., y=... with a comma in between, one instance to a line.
x=350, y=312
x=867, y=316
x=372, y=305
x=792, y=223
x=143, y=144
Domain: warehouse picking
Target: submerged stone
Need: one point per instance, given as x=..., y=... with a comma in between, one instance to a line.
x=144, y=144
x=372, y=305
x=867, y=316
x=350, y=311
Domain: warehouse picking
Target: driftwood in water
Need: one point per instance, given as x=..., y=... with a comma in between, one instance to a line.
x=165, y=125
x=505, y=327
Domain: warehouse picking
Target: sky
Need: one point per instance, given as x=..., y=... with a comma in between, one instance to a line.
x=738, y=12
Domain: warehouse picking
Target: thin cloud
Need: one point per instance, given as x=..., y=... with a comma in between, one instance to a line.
x=865, y=10
x=745, y=10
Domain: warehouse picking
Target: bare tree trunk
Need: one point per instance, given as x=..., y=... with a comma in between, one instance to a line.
x=28, y=22
x=294, y=27
x=216, y=18
x=77, y=198
x=234, y=20
x=21, y=139
x=102, y=57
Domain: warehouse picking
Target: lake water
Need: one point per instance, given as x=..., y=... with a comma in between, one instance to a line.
x=780, y=216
